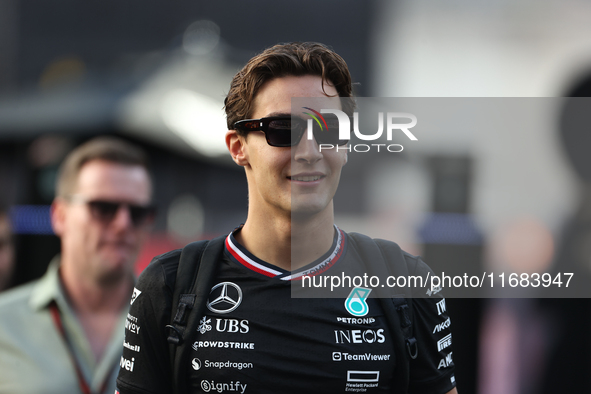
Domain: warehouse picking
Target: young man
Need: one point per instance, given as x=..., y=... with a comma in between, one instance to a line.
x=63, y=332
x=254, y=337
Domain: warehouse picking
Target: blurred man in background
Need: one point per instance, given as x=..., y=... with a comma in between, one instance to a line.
x=6, y=250
x=63, y=332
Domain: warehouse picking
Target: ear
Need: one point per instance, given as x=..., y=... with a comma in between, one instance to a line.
x=58, y=216
x=237, y=146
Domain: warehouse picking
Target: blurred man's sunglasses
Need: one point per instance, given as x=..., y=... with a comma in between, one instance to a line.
x=282, y=131
x=105, y=211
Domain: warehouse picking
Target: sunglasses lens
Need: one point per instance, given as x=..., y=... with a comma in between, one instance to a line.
x=288, y=131
x=248, y=126
x=283, y=132
x=106, y=211
x=103, y=210
x=140, y=215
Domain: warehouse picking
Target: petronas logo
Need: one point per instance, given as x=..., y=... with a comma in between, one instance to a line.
x=355, y=304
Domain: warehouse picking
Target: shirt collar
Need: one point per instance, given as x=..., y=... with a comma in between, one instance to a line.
x=238, y=253
x=48, y=288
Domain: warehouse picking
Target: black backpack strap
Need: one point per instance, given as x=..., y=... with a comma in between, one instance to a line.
x=194, y=277
x=398, y=266
x=385, y=258
x=404, y=308
x=186, y=271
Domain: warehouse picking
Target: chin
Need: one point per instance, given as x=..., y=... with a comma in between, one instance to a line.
x=115, y=275
x=303, y=212
x=309, y=206
x=114, y=269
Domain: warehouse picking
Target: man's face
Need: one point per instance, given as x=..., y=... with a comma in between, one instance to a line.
x=100, y=249
x=298, y=180
x=6, y=252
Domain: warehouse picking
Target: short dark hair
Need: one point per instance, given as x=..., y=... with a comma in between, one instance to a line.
x=106, y=148
x=291, y=59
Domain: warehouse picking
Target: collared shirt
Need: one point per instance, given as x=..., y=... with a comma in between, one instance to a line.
x=34, y=358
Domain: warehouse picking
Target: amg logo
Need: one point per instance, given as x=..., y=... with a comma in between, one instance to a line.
x=444, y=342
x=442, y=326
x=441, y=307
x=446, y=362
x=126, y=364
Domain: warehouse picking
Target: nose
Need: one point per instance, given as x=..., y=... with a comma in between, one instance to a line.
x=307, y=151
x=122, y=219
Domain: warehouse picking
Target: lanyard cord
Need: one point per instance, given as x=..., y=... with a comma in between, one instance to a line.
x=57, y=320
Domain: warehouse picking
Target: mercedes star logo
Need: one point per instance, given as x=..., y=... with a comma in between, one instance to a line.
x=226, y=299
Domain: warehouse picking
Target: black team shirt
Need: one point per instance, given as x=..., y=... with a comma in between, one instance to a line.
x=256, y=338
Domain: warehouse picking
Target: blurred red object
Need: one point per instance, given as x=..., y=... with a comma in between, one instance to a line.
x=155, y=244
x=159, y=243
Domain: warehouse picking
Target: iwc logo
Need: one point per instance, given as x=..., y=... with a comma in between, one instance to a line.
x=224, y=297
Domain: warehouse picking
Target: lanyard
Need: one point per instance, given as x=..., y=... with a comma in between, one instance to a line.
x=57, y=320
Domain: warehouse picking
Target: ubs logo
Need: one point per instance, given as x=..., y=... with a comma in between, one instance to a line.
x=232, y=325
x=224, y=325
x=224, y=297
x=204, y=325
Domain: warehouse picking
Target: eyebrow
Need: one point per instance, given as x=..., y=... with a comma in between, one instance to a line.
x=278, y=114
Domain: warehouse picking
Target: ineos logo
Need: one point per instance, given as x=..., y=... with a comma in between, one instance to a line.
x=359, y=336
x=224, y=297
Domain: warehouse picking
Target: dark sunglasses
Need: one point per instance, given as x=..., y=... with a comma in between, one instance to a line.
x=105, y=211
x=284, y=131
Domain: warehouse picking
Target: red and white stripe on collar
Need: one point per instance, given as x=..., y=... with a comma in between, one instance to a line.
x=257, y=266
x=247, y=261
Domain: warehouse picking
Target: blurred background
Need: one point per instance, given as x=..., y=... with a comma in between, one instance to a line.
x=156, y=74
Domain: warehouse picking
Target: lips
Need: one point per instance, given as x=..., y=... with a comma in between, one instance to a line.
x=306, y=178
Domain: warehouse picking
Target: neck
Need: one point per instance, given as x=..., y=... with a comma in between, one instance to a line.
x=289, y=242
x=90, y=296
